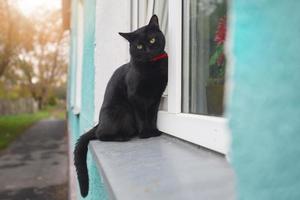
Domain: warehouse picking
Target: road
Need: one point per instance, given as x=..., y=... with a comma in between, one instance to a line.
x=35, y=166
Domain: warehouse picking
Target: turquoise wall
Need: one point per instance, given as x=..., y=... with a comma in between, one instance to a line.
x=264, y=105
x=84, y=120
x=97, y=191
x=72, y=119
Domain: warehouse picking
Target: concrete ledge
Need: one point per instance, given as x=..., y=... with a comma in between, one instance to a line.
x=162, y=168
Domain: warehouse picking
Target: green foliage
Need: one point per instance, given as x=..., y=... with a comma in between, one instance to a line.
x=14, y=125
x=60, y=92
x=52, y=101
x=60, y=115
x=218, y=52
x=12, y=92
x=33, y=53
x=217, y=70
x=16, y=34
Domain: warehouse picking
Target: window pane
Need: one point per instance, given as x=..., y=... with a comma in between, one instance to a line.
x=146, y=8
x=204, y=29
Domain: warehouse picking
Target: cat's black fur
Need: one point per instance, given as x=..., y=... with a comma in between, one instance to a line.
x=131, y=99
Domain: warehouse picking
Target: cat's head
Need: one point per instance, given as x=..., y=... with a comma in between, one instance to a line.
x=146, y=42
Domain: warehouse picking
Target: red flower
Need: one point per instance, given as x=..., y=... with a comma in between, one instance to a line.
x=221, y=31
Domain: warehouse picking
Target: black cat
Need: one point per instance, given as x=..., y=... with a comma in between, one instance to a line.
x=132, y=96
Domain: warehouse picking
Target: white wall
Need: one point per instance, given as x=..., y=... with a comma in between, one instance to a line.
x=111, y=49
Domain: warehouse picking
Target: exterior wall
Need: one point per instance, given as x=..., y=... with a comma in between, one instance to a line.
x=263, y=106
x=111, y=49
x=80, y=122
x=264, y=103
x=72, y=58
x=87, y=99
x=95, y=77
x=73, y=120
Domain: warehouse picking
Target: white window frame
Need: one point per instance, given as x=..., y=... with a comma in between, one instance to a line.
x=80, y=37
x=207, y=131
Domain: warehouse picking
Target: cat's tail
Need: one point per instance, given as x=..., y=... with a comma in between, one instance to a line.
x=80, y=154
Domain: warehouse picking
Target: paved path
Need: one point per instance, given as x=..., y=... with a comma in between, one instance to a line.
x=35, y=166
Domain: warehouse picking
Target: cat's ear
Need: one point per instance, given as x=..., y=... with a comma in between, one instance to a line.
x=154, y=21
x=128, y=36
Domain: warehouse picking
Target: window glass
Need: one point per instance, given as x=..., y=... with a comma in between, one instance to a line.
x=146, y=8
x=204, y=30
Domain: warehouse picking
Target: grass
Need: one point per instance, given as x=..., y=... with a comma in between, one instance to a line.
x=56, y=112
x=13, y=125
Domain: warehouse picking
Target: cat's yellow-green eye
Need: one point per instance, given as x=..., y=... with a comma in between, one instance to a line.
x=139, y=46
x=152, y=40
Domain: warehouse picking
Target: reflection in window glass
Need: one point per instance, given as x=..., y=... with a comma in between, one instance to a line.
x=145, y=10
x=204, y=30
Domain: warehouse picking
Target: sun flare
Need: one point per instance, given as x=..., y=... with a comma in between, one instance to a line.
x=28, y=7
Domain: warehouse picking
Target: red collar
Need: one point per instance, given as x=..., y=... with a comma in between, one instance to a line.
x=159, y=57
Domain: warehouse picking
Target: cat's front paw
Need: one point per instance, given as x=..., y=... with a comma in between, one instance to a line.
x=150, y=133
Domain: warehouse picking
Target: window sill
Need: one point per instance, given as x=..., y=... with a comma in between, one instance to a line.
x=162, y=168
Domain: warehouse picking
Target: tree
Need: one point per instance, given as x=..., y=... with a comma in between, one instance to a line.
x=33, y=53
x=15, y=34
x=44, y=67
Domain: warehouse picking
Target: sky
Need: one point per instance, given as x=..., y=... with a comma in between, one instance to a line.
x=28, y=7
